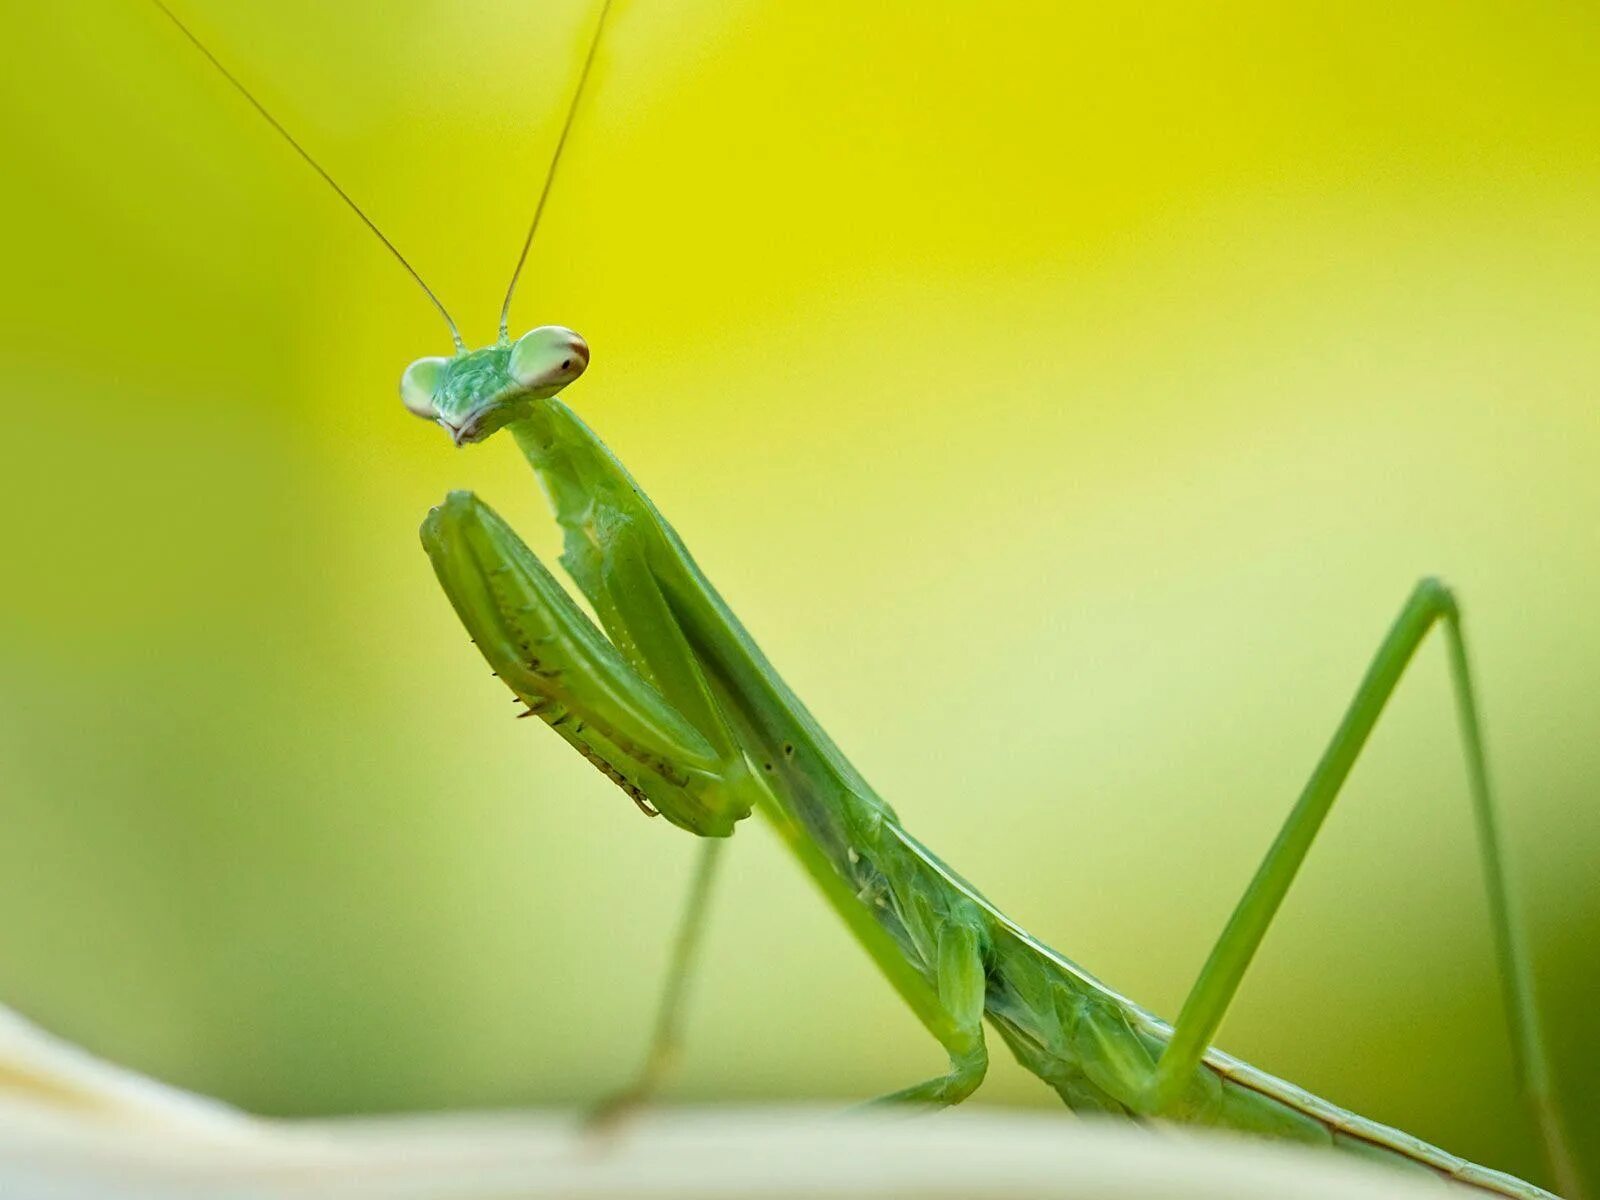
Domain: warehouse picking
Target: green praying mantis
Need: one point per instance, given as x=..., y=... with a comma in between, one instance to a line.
x=672, y=700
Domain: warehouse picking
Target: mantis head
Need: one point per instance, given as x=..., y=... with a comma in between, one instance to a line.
x=479, y=391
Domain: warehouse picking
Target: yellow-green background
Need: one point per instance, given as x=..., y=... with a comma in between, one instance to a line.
x=1066, y=395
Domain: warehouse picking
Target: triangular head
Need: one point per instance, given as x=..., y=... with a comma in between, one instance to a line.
x=477, y=392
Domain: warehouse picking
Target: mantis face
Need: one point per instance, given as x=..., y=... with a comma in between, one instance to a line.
x=479, y=391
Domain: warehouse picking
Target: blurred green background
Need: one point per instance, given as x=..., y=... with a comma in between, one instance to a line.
x=1066, y=397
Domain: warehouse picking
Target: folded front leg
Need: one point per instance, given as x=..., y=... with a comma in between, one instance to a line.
x=564, y=669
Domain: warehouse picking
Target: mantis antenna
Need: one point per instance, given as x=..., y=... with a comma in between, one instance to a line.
x=550, y=175
x=455, y=333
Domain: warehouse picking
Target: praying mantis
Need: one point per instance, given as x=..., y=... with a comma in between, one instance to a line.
x=672, y=700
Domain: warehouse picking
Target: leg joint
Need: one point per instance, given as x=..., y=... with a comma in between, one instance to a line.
x=1436, y=596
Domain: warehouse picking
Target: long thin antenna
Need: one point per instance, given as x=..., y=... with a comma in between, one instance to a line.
x=313, y=164
x=550, y=175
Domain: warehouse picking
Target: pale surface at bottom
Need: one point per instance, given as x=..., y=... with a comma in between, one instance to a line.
x=73, y=1127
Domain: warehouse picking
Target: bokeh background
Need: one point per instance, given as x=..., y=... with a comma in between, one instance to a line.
x=1067, y=397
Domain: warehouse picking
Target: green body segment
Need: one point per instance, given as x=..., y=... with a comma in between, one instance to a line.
x=699, y=682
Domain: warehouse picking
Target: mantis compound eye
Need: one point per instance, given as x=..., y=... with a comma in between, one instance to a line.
x=419, y=384
x=546, y=359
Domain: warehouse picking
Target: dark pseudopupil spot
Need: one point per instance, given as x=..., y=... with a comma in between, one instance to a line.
x=566, y=364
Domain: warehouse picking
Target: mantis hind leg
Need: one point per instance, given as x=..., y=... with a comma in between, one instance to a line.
x=667, y=1034
x=1430, y=604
